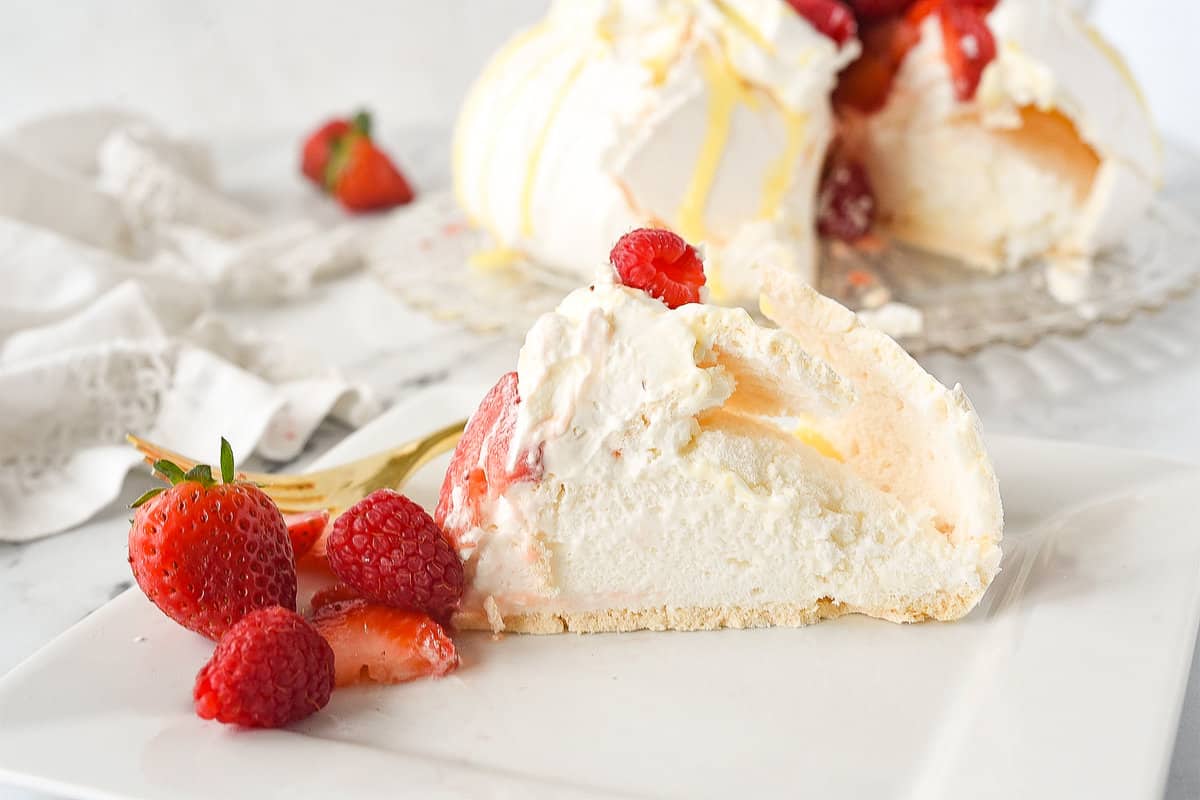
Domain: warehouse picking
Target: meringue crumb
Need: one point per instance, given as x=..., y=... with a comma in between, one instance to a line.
x=495, y=619
x=139, y=639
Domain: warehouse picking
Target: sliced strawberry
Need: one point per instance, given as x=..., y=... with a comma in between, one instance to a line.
x=318, y=149
x=478, y=475
x=336, y=593
x=866, y=84
x=383, y=644
x=830, y=17
x=969, y=45
x=889, y=29
x=305, y=529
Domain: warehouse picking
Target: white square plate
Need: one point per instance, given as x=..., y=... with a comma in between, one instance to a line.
x=1066, y=681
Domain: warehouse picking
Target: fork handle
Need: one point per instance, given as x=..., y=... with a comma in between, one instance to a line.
x=438, y=442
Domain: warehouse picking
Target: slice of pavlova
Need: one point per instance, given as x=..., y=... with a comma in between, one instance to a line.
x=656, y=462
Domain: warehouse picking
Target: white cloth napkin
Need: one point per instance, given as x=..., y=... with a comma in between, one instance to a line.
x=116, y=254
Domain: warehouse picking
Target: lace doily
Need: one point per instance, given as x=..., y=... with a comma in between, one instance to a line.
x=115, y=246
x=99, y=397
x=424, y=255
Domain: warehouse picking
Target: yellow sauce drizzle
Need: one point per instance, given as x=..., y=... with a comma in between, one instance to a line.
x=535, y=156
x=659, y=66
x=495, y=259
x=743, y=25
x=490, y=154
x=606, y=25
x=766, y=306
x=494, y=68
x=717, y=291
x=725, y=89
x=779, y=177
x=818, y=442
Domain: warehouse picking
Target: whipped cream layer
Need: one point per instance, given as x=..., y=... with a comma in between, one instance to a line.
x=710, y=117
x=692, y=460
x=1055, y=155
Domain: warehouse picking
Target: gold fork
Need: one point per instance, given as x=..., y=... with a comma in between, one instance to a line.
x=336, y=488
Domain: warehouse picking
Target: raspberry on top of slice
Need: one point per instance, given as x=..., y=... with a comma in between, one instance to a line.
x=661, y=264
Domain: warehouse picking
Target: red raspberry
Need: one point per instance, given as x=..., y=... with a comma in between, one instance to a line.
x=389, y=550
x=660, y=263
x=846, y=203
x=270, y=669
x=830, y=17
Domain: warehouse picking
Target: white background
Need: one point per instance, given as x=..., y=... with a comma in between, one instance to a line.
x=251, y=68
x=229, y=66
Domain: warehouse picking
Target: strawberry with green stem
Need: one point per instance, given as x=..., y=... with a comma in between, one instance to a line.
x=208, y=552
x=341, y=156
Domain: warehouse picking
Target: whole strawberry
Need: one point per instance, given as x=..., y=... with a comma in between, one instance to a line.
x=342, y=158
x=208, y=553
x=318, y=149
x=387, y=548
x=270, y=669
x=363, y=178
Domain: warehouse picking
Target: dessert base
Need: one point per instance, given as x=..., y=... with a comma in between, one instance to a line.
x=698, y=618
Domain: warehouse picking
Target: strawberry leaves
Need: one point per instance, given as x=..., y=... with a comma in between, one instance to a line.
x=202, y=474
x=146, y=498
x=227, y=473
x=170, y=470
